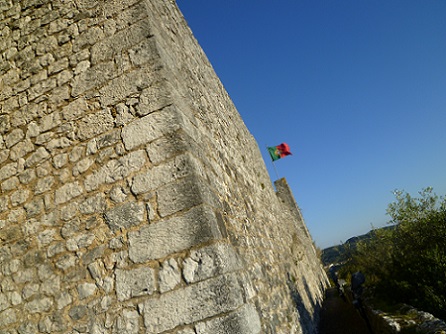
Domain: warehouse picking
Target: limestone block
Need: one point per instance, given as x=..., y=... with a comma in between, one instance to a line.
x=10, y=184
x=64, y=299
x=89, y=37
x=95, y=124
x=193, y=303
x=183, y=194
x=125, y=216
x=150, y=180
x=82, y=66
x=93, y=77
x=58, y=143
x=3, y=203
x=4, y=123
x=118, y=194
x=41, y=87
x=39, y=305
x=86, y=290
x=49, y=121
x=143, y=52
x=150, y=127
x=169, y=275
x=95, y=203
x=19, y=197
x=125, y=85
x=67, y=192
x=4, y=154
x=4, y=303
x=44, y=184
x=8, y=317
x=8, y=170
x=75, y=109
x=60, y=160
x=34, y=207
x=70, y=228
x=21, y=149
x=80, y=241
x=46, y=237
x=116, y=170
x=129, y=322
x=38, y=156
x=51, y=286
x=76, y=153
x=243, y=321
x=122, y=40
x=94, y=254
x=154, y=241
x=66, y=262
x=108, y=139
x=78, y=312
x=59, y=94
x=210, y=261
x=14, y=137
x=58, y=66
x=134, y=283
x=186, y=331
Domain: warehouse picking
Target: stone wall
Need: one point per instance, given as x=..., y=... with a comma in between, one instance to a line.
x=133, y=198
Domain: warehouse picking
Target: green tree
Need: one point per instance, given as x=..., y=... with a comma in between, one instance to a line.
x=407, y=263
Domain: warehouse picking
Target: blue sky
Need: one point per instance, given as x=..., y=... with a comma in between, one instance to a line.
x=357, y=88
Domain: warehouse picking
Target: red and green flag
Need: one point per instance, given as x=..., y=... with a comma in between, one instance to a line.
x=279, y=151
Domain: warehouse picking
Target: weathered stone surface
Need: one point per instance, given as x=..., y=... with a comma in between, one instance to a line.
x=179, y=167
x=8, y=170
x=150, y=127
x=68, y=192
x=129, y=322
x=172, y=235
x=125, y=216
x=10, y=184
x=243, y=321
x=169, y=275
x=75, y=109
x=195, y=302
x=210, y=261
x=122, y=40
x=4, y=303
x=116, y=170
x=38, y=156
x=134, y=283
x=14, y=137
x=185, y=193
x=121, y=207
x=93, y=204
x=95, y=124
x=86, y=290
x=8, y=317
x=39, y=305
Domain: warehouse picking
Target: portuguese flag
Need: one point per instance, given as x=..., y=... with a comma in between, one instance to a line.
x=279, y=151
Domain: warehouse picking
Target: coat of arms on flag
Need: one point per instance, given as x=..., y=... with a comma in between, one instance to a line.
x=279, y=151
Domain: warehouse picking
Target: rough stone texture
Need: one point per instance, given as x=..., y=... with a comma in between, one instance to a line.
x=126, y=203
x=195, y=302
x=243, y=321
x=134, y=283
x=179, y=233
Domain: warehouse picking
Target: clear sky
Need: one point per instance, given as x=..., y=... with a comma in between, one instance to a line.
x=357, y=88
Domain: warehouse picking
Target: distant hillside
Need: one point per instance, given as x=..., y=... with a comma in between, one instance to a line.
x=336, y=254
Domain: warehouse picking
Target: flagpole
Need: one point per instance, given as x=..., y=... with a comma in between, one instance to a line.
x=277, y=175
x=274, y=165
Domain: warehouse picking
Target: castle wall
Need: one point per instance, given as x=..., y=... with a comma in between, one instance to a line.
x=133, y=198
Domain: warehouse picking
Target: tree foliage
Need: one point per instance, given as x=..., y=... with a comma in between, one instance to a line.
x=407, y=263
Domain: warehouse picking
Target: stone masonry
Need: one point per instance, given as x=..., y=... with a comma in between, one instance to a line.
x=133, y=198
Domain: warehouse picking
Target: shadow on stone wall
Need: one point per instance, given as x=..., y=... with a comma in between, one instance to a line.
x=306, y=319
